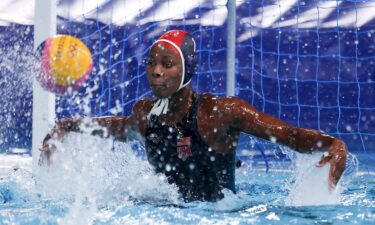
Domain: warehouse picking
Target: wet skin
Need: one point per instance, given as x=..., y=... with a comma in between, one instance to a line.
x=220, y=120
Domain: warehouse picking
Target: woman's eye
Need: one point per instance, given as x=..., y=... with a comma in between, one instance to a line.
x=150, y=62
x=168, y=65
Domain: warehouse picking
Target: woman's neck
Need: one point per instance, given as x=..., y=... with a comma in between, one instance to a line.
x=179, y=105
x=181, y=98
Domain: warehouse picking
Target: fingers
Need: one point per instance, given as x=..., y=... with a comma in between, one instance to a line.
x=331, y=178
x=47, y=150
x=332, y=171
x=336, y=156
x=325, y=158
x=55, y=134
x=44, y=148
x=42, y=159
x=338, y=164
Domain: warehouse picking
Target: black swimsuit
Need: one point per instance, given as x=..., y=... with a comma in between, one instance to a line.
x=179, y=152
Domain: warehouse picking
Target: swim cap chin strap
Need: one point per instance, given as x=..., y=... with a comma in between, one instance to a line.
x=162, y=104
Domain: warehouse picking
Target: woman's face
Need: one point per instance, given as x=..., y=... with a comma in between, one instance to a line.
x=164, y=70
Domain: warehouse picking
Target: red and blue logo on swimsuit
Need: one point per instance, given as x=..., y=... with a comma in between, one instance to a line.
x=184, y=147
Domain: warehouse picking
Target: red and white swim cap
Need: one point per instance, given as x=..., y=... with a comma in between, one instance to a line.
x=183, y=43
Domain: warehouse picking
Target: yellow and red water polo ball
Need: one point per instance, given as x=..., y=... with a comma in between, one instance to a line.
x=66, y=63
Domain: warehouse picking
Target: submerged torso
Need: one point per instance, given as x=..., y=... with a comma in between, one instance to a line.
x=180, y=153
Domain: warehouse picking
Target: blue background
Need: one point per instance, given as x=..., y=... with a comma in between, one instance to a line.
x=314, y=78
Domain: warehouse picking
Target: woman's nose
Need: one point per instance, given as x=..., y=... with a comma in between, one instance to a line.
x=154, y=74
x=158, y=72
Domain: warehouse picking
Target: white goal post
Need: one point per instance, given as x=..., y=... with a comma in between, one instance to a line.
x=43, y=101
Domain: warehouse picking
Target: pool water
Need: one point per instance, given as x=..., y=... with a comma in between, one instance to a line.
x=87, y=186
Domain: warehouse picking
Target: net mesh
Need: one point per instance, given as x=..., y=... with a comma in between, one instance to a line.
x=308, y=63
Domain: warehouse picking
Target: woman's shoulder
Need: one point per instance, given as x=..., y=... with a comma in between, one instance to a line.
x=143, y=106
x=145, y=101
x=222, y=106
x=209, y=98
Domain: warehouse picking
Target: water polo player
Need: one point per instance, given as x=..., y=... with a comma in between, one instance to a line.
x=192, y=137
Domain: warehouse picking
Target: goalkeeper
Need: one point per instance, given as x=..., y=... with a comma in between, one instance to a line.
x=192, y=137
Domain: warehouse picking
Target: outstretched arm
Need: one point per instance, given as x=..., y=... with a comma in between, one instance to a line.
x=120, y=127
x=116, y=126
x=103, y=126
x=249, y=120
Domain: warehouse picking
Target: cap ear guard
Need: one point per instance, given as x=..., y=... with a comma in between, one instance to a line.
x=189, y=49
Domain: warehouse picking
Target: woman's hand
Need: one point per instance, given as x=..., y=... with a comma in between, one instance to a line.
x=46, y=151
x=49, y=148
x=336, y=156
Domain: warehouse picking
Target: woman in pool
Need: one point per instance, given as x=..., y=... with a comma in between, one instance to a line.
x=192, y=137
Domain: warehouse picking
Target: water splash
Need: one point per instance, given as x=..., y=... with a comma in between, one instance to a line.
x=95, y=173
x=310, y=184
x=18, y=66
x=18, y=187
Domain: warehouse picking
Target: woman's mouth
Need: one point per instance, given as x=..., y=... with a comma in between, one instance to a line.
x=157, y=85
